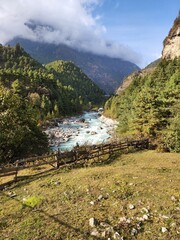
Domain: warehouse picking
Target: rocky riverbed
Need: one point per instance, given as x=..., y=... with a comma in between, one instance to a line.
x=89, y=128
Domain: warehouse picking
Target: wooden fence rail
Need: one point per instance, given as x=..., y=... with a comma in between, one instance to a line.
x=77, y=155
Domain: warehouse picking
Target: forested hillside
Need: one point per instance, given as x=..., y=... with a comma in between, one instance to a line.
x=150, y=106
x=29, y=95
x=73, y=76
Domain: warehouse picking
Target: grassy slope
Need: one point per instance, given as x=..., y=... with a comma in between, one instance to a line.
x=145, y=179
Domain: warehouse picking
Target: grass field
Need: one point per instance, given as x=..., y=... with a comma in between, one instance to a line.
x=136, y=196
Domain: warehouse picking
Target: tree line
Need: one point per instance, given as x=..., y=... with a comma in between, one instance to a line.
x=150, y=107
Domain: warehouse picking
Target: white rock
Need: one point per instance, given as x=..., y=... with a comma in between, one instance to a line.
x=141, y=219
x=92, y=222
x=92, y=202
x=128, y=220
x=173, y=224
x=103, y=234
x=163, y=230
x=173, y=198
x=94, y=232
x=133, y=231
x=12, y=194
x=164, y=216
x=57, y=183
x=145, y=217
x=131, y=206
x=100, y=197
x=145, y=210
x=110, y=230
x=122, y=219
x=117, y=236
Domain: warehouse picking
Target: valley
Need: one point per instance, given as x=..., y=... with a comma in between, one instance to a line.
x=89, y=142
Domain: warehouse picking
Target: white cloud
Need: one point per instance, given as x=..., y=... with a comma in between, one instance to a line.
x=58, y=21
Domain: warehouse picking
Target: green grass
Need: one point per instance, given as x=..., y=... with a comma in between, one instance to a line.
x=60, y=203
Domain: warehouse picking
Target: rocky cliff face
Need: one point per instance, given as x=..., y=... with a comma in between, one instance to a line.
x=170, y=51
x=172, y=42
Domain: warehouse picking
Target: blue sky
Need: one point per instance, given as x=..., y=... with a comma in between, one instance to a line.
x=129, y=29
x=140, y=24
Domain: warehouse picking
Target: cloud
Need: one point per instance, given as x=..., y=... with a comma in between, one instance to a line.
x=71, y=22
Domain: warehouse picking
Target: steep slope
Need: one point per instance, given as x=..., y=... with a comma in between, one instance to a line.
x=141, y=73
x=172, y=41
x=52, y=93
x=148, y=104
x=106, y=72
x=28, y=78
x=71, y=75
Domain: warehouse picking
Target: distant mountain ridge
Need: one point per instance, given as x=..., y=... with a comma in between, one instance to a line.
x=108, y=73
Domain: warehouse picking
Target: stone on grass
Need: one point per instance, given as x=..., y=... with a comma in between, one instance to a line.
x=122, y=219
x=92, y=222
x=163, y=230
x=12, y=194
x=134, y=231
x=57, y=183
x=131, y=206
x=103, y=234
x=141, y=219
x=128, y=220
x=173, y=198
x=145, y=210
x=173, y=224
x=100, y=197
x=95, y=232
x=92, y=202
x=110, y=230
x=145, y=217
x=116, y=236
x=164, y=216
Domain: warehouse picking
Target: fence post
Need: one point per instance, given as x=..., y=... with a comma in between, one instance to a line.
x=16, y=173
x=58, y=156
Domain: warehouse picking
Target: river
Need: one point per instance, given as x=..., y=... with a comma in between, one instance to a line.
x=88, y=128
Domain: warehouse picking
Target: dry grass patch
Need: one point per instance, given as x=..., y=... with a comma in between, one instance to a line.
x=134, y=197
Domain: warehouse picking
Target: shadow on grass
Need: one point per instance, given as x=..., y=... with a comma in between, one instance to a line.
x=23, y=180
x=55, y=219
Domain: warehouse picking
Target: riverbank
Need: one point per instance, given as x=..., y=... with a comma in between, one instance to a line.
x=89, y=128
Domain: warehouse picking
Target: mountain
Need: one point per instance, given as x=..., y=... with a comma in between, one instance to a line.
x=106, y=72
x=148, y=101
x=53, y=90
x=71, y=75
x=140, y=73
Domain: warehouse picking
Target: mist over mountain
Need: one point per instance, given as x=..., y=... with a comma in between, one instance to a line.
x=108, y=73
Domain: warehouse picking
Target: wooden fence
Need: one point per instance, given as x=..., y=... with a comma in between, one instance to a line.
x=77, y=155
